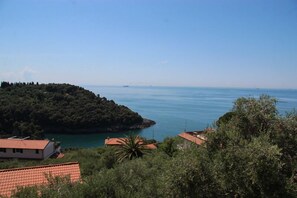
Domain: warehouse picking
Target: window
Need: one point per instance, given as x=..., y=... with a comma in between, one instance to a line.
x=17, y=150
x=3, y=150
x=37, y=151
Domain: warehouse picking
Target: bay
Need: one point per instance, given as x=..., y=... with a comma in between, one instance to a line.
x=175, y=109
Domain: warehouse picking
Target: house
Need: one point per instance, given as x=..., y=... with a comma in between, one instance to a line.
x=27, y=149
x=10, y=179
x=194, y=137
x=119, y=141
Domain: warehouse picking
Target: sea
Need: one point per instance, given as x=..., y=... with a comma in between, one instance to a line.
x=174, y=109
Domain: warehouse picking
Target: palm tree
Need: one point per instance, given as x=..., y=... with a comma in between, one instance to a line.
x=131, y=147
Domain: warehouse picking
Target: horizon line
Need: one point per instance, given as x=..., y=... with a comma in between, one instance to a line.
x=185, y=86
x=164, y=86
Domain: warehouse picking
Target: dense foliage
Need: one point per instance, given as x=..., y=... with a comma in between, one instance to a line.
x=251, y=154
x=131, y=147
x=30, y=109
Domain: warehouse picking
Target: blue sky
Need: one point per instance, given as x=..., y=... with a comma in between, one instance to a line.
x=212, y=43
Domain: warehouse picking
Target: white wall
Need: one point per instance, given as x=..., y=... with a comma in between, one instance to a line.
x=30, y=153
x=49, y=150
x=27, y=153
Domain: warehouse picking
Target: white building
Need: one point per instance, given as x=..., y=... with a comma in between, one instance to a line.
x=27, y=149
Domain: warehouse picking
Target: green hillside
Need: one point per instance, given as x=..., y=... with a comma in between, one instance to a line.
x=28, y=109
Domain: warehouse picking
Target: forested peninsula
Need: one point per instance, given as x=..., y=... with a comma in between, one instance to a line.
x=32, y=109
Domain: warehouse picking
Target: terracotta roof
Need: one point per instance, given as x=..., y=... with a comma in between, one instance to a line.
x=190, y=136
x=61, y=155
x=116, y=141
x=23, y=144
x=35, y=175
x=112, y=141
x=150, y=146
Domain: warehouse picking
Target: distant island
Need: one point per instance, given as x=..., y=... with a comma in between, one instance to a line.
x=32, y=109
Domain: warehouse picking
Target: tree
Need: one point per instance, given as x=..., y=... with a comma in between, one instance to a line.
x=169, y=146
x=131, y=147
x=190, y=175
x=254, y=149
x=5, y=84
x=284, y=134
x=225, y=118
x=251, y=169
x=251, y=116
x=28, y=129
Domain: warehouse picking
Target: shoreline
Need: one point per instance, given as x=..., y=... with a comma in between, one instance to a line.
x=97, y=130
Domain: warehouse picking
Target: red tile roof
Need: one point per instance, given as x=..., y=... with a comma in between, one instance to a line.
x=23, y=144
x=61, y=155
x=119, y=141
x=113, y=141
x=150, y=146
x=35, y=175
x=116, y=141
x=190, y=136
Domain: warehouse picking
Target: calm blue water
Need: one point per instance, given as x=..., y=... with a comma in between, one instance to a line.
x=174, y=109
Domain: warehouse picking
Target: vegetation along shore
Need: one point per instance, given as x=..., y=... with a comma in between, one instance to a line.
x=29, y=109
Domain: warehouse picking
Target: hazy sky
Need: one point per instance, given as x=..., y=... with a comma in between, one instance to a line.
x=216, y=43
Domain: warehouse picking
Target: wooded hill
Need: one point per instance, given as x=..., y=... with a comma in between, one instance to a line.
x=28, y=109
